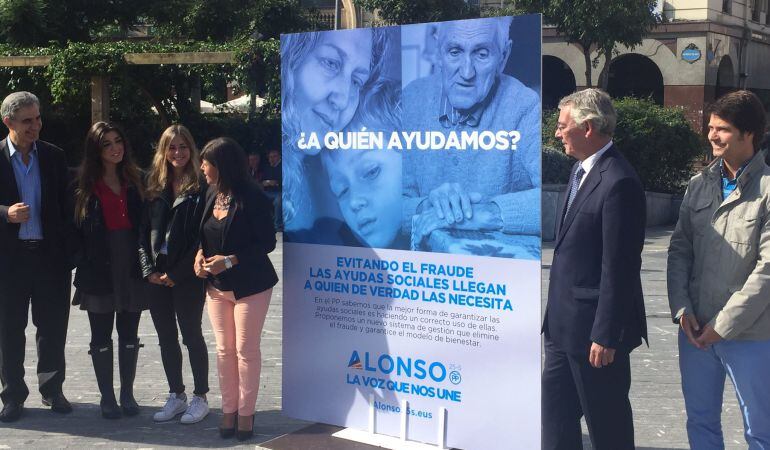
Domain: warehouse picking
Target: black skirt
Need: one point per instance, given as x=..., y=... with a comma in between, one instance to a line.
x=128, y=294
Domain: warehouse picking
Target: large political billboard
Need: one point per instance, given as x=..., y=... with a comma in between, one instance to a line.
x=411, y=203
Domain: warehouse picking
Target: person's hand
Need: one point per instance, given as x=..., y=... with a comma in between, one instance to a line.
x=601, y=356
x=691, y=328
x=425, y=223
x=166, y=280
x=200, y=272
x=486, y=217
x=215, y=264
x=707, y=337
x=154, y=278
x=18, y=213
x=452, y=203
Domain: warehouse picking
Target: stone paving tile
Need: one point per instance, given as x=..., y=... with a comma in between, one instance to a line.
x=655, y=394
x=84, y=428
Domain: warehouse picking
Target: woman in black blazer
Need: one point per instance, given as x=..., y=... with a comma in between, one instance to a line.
x=168, y=242
x=236, y=235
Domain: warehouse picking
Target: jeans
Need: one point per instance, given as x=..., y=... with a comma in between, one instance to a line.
x=703, y=380
x=182, y=303
x=238, y=329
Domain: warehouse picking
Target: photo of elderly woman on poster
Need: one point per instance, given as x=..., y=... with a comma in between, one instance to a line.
x=324, y=77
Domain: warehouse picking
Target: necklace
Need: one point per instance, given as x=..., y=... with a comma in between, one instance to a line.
x=222, y=202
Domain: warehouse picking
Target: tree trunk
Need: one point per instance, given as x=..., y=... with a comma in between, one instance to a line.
x=162, y=115
x=181, y=100
x=604, y=75
x=587, y=57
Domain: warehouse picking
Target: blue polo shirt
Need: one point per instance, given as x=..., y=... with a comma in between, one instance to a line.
x=30, y=190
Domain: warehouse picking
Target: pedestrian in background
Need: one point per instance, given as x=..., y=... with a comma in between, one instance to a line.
x=272, y=183
x=107, y=208
x=255, y=172
x=168, y=242
x=236, y=236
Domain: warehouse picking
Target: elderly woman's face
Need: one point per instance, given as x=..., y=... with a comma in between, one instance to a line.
x=329, y=81
x=470, y=60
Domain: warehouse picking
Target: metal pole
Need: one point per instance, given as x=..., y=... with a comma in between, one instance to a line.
x=337, y=14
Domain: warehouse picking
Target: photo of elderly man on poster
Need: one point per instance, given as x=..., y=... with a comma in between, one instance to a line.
x=471, y=200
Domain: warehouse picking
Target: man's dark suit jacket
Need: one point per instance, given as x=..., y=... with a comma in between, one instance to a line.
x=53, y=179
x=595, y=291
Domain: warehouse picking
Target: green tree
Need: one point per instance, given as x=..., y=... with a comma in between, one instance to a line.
x=22, y=22
x=508, y=8
x=399, y=12
x=658, y=141
x=222, y=20
x=597, y=24
x=38, y=22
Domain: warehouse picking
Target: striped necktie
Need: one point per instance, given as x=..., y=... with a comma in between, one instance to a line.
x=574, y=188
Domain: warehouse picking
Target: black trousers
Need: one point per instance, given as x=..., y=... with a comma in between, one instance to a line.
x=37, y=278
x=101, y=324
x=572, y=388
x=182, y=303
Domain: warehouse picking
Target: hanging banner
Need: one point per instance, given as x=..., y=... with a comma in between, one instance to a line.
x=411, y=204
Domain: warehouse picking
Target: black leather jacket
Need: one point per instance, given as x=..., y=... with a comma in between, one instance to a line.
x=175, y=222
x=92, y=252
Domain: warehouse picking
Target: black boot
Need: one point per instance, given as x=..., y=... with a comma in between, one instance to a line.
x=101, y=355
x=128, y=353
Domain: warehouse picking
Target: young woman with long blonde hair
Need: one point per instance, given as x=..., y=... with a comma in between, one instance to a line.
x=168, y=242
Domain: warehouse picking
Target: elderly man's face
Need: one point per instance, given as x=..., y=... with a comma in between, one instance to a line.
x=471, y=59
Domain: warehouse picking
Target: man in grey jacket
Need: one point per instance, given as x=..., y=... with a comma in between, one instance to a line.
x=719, y=277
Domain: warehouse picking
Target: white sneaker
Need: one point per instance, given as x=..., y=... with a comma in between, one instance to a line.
x=176, y=404
x=196, y=412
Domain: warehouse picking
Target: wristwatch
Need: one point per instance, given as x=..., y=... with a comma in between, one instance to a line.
x=228, y=263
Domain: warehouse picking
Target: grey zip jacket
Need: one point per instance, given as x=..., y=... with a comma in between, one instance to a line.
x=719, y=256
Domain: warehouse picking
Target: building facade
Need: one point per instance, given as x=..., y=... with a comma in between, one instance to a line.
x=703, y=49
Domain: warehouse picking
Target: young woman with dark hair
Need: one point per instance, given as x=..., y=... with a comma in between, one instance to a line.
x=107, y=206
x=236, y=236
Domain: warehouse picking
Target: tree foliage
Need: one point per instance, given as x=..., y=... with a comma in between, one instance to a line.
x=222, y=20
x=597, y=25
x=658, y=141
x=85, y=39
x=399, y=12
x=37, y=22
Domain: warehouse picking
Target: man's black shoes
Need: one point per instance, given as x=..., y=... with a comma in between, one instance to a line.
x=11, y=411
x=58, y=403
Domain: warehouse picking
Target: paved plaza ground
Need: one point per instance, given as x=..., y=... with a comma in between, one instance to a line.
x=655, y=393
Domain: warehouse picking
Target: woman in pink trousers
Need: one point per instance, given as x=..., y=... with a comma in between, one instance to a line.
x=236, y=235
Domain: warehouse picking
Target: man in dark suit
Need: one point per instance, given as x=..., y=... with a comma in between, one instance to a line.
x=33, y=260
x=595, y=313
